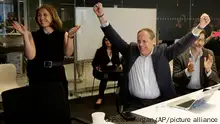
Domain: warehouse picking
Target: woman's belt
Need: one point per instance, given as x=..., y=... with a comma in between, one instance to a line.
x=50, y=64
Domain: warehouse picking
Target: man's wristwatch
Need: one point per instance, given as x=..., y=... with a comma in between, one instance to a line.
x=197, y=30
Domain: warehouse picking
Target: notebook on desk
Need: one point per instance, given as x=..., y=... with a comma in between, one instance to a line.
x=187, y=103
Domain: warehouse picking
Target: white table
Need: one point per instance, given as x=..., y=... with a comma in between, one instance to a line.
x=169, y=115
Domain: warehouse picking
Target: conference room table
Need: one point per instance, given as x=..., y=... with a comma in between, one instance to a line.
x=208, y=113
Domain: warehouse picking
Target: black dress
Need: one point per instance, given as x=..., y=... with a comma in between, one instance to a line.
x=47, y=65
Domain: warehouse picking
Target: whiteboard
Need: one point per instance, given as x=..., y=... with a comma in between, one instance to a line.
x=126, y=21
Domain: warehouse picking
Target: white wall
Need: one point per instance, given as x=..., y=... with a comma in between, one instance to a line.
x=126, y=21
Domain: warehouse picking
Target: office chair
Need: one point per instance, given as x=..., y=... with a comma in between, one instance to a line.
x=93, y=85
x=39, y=104
x=108, y=75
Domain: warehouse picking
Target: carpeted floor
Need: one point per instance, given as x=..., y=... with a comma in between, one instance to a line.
x=84, y=107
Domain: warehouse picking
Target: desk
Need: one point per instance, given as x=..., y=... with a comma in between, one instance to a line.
x=165, y=114
x=211, y=110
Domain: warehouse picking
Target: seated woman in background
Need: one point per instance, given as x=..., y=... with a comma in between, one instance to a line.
x=106, y=58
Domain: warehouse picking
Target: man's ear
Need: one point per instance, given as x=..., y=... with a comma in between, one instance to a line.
x=154, y=42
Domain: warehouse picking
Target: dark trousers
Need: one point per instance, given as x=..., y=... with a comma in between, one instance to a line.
x=36, y=84
x=64, y=84
x=102, y=87
x=40, y=75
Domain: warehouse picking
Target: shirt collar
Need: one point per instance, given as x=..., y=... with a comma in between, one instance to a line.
x=200, y=54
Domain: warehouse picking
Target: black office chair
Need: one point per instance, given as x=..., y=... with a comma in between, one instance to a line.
x=39, y=104
x=109, y=76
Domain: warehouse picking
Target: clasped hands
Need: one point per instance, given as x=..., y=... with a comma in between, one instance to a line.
x=208, y=61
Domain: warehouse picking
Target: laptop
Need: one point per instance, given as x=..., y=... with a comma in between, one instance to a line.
x=187, y=103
